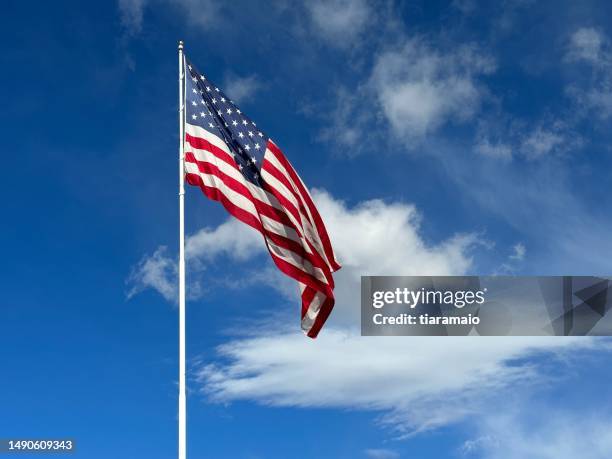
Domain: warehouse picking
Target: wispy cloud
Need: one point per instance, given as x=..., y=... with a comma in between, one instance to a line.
x=591, y=47
x=415, y=89
x=518, y=252
x=415, y=385
x=201, y=13
x=157, y=272
x=381, y=454
x=420, y=88
x=551, y=434
x=131, y=13
x=587, y=44
x=340, y=22
x=242, y=89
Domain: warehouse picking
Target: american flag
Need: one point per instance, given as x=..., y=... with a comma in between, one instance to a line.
x=234, y=162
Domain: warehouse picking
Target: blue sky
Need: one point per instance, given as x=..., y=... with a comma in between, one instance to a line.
x=438, y=137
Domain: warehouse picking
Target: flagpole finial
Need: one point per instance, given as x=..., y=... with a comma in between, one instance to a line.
x=180, y=44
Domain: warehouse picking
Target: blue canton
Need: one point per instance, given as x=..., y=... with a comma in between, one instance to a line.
x=208, y=107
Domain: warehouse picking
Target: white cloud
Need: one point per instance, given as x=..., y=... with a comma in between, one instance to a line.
x=466, y=7
x=505, y=137
x=340, y=22
x=375, y=237
x=592, y=47
x=200, y=13
x=232, y=238
x=417, y=383
x=514, y=260
x=157, y=272
x=553, y=435
x=500, y=150
x=242, y=89
x=518, y=252
x=541, y=142
x=381, y=454
x=586, y=44
x=419, y=88
x=131, y=12
x=414, y=384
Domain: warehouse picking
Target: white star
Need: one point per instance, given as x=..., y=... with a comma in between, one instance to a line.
x=202, y=114
x=235, y=123
x=238, y=111
x=256, y=175
x=193, y=102
x=211, y=125
x=194, y=91
x=229, y=111
x=256, y=146
x=247, y=147
x=214, y=101
x=223, y=99
x=244, y=122
x=194, y=116
x=202, y=77
x=217, y=89
x=190, y=68
x=241, y=135
x=253, y=160
x=194, y=79
x=207, y=88
x=260, y=134
x=202, y=102
x=250, y=134
x=253, y=123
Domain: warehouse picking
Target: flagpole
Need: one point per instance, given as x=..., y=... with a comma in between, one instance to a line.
x=182, y=399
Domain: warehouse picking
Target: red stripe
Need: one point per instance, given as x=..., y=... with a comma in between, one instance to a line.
x=203, y=144
x=322, y=316
x=272, y=170
x=307, y=297
x=313, y=210
x=251, y=220
x=300, y=276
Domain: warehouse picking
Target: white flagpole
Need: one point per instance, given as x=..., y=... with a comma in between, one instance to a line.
x=182, y=408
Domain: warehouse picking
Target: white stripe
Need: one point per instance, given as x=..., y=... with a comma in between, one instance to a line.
x=299, y=262
x=197, y=131
x=280, y=187
x=313, y=311
x=285, y=231
x=215, y=182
